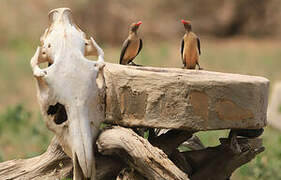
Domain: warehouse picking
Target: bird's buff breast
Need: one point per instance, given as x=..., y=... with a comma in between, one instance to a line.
x=191, y=53
x=132, y=50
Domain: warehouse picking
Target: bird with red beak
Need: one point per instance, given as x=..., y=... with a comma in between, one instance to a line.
x=190, y=47
x=131, y=46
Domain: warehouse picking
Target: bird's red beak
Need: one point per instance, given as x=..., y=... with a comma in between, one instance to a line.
x=139, y=23
x=183, y=21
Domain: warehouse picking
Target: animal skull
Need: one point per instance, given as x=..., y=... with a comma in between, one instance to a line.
x=70, y=90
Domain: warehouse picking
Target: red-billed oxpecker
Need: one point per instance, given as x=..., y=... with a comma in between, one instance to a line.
x=190, y=47
x=131, y=46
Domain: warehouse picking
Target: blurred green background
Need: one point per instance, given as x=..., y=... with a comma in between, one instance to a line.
x=236, y=36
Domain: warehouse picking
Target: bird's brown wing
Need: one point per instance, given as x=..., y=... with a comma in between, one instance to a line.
x=182, y=47
x=198, y=45
x=124, y=48
x=140, y=47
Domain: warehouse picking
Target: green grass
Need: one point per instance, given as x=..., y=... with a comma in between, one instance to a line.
x=23, y=132
x=19, y=136
x=267, y=165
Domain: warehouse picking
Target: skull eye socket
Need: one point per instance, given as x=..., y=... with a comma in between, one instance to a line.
x=59, y=113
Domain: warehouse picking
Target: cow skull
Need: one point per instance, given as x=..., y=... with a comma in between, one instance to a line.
x=70, y=90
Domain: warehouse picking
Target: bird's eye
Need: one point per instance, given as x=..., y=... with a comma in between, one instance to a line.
x=49, y=45
x=86, y=44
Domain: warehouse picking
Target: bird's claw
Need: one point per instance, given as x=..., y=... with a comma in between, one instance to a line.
x=134, y=64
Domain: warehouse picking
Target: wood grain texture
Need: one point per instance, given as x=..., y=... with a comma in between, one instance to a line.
x=54, y=164
x=150, y=161
x=137, y=159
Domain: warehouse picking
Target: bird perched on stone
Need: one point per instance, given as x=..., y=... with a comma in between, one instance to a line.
x=190, y=47
x=131, y=46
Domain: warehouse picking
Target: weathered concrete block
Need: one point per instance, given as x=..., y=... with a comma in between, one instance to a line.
x=184, y=99
x=274, y=109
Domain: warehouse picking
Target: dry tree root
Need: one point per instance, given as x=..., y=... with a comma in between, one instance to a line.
x=139, y=154
x=222, y=159
x=55, y=164
x=194, y=143
x=171, y=140
x=52, y=164
x=139, y=160
x=129, y=174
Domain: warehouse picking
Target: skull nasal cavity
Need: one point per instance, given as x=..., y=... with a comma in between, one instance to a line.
x=59, y=113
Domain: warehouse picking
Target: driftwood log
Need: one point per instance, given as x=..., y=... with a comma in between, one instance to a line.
x=137, y=159
x=77, y=94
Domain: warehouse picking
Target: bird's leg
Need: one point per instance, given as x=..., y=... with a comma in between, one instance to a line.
x=184, y=65
x=134, y=64
x=199, y=66
x=234, y=146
